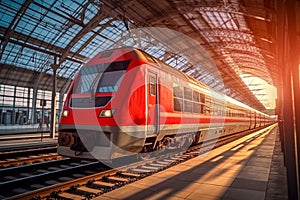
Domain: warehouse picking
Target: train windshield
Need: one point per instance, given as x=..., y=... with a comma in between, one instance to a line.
x=105, y=77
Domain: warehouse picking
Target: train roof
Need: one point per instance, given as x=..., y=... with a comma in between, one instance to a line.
x=142, y=54
x=117, y=53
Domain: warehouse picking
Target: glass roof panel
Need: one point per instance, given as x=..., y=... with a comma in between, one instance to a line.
x=129, y=42
x=58, y=22
x=95, y=45
x=26, y=25
x=66, y=36
x=90, y=12
x=111, y=32
x=105, y=20
x=263, y=91
x=47, y=27
x=26, y=58
x=81, y=42
x=67, y=69
x=228, y=22
x=10, y=53
x=156, y=51
x=8, y=12
x=68, y=7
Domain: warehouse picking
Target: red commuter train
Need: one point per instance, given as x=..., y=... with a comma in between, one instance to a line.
x=124, y=101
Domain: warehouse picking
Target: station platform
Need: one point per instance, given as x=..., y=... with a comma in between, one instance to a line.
x=250, y=168
x=26, y=141
x=17, y=129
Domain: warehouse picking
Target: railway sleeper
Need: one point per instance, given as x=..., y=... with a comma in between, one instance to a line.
x=115, y=180
x=66, y=195
x=90, y=190
x=129, y=174
x=83, y=191
x=103, y=186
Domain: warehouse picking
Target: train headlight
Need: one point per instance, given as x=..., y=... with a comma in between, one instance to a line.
x=65, y=113
x=106, y=113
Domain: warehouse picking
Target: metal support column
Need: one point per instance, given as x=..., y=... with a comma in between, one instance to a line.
x=281, y=51
x=13, y=114
x=294, y=68
x=61, y=102
x=33, y=109
x=28, y=106
x=53, y=100
x=291, y=137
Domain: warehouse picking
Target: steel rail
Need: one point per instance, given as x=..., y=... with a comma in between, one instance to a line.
x=27, y=160
x=63, y=186
x=173, y=158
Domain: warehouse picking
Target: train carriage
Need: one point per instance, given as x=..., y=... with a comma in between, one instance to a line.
x=124, y=101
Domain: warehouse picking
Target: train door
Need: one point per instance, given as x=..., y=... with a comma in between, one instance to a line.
x=250, y=119
x=153, y=104
x=255, y=120
x=260, y=120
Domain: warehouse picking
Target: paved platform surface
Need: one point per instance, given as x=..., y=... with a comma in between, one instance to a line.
x=25, y=141
x=248, y=169
x=24, y=129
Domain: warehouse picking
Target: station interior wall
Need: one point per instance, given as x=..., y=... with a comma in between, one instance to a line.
x=18, y=106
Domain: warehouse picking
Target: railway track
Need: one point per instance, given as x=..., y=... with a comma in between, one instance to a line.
x=28, y=156
x=26, y=147
x=21, y=179
x=29, y=160
x=92, y=183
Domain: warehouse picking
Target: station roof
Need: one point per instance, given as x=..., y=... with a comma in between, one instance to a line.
x=238, y=35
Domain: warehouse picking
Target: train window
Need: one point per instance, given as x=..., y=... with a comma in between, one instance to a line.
x=214, y=110
x=178, y=97
x=207, y=110
x=202, y=98
x=104, y=67
x=117, y=66
x=84, y=83
x=177, y=91
x=88, y=103
x=202, y=108
x=152, y=85
x=188, y=94
x=107, y=75
x=178, y=104
x=196, y=107
x=188, y=106
x=196, y=96
x=110, y=81
x=217, y=110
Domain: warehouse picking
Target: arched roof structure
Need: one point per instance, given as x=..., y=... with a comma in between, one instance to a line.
x=239, y=35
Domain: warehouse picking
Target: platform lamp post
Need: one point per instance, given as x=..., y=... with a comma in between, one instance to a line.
x=54, y=67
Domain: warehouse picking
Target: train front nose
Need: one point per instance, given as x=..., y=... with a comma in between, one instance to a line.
x=85, y=143
x=65, y=139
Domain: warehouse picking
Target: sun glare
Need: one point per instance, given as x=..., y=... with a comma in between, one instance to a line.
x=263, y=91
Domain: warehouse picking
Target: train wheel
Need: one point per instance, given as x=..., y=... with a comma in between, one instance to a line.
x=146, y=154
